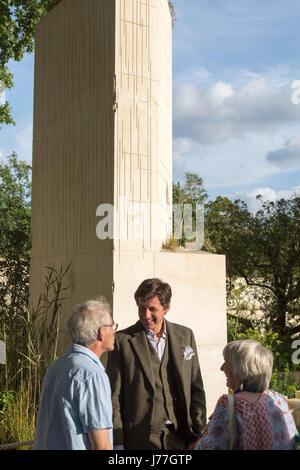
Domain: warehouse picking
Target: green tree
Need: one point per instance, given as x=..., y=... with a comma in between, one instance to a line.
x=190, y=192
x=17, y=28
x=173, y=13
x=282, y=380
x=15, y=194
x=263, y=249
x=15, y=189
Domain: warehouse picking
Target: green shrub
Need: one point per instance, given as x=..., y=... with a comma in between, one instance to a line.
x=284, y=383
x=269, y=339
x=282, y=380
x=18, y=416
x=27, y=362
x=6, y=398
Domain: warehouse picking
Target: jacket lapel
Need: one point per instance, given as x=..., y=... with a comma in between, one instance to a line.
x=140, y=344
x=176, y=346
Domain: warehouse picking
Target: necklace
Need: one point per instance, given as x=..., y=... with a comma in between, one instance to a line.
x=252, y=390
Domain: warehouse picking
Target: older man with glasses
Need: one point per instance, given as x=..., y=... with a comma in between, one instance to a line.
x=75, y=410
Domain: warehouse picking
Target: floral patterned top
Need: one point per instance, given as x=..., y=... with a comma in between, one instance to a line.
x=264, y=424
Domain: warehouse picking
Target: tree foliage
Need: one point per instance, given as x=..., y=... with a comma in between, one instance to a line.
x=190, y=192
x=17, y=28
x=15, y=193
x=173, y=13
x=264, y=250
x=262, y=256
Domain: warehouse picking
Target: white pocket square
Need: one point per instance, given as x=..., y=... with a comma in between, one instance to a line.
x=188, y=353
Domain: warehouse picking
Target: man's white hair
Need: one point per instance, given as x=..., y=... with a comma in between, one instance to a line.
x=252, y=363
x=86, y=319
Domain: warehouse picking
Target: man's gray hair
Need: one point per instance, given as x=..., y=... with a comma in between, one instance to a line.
x=252, y=363
x=86, y=319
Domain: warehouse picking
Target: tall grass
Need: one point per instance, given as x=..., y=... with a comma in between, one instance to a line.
x=31, y=347
x=19, y=418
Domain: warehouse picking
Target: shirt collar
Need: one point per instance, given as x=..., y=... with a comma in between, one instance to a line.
x=78, y=348
x=151, y=333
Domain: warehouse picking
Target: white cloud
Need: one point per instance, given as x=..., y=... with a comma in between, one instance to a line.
x=219, y=92
x=220, y=111
x=3, y=157
x=229, y=164
x=192, y=75
x=24, y=142
x=17, y=139
x=181, y=147
x=287, y=156
x=268, y=194
x=185, y=151
x=237, y=131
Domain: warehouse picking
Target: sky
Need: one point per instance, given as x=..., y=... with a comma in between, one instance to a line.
x=236, y=98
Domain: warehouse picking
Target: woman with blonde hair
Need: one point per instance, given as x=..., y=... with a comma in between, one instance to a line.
x=261, y=417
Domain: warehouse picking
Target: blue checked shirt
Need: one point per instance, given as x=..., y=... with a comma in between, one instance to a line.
x=76, y=399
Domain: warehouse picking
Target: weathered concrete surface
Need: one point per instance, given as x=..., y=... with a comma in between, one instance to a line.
x=103, y=135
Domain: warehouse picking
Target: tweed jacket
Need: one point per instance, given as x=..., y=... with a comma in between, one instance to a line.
x=129, y=369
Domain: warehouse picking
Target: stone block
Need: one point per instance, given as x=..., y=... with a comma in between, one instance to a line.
x=296, y=415
x=294, y=403
x=198, y=285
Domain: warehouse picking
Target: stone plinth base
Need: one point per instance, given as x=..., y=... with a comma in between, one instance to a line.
x=198, y=284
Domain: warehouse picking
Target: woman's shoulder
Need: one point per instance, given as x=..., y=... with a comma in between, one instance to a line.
x=279, y=400
x=274, y=394
x=223, y=401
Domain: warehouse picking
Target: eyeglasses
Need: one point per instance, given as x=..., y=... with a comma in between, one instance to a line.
x=113, y=325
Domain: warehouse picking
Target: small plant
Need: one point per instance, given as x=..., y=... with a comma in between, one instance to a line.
x=18, y=418
x=284, y=383
x=282, y=379
x=269, y=339
x=172, y=244
x=6, y=398
x=46, y=316
x=172, y=11
x=235, y=326
x=28, y=358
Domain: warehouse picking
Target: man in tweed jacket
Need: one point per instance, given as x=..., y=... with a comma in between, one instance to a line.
x=157, y=390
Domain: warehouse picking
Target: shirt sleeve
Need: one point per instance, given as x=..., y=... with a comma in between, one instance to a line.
x=281, y=403
x=217, y=437
x=95, y=409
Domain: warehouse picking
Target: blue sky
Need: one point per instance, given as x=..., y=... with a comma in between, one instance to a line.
x=234, y=121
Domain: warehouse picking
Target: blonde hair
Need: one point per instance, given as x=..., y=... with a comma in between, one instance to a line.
x=252, y=363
